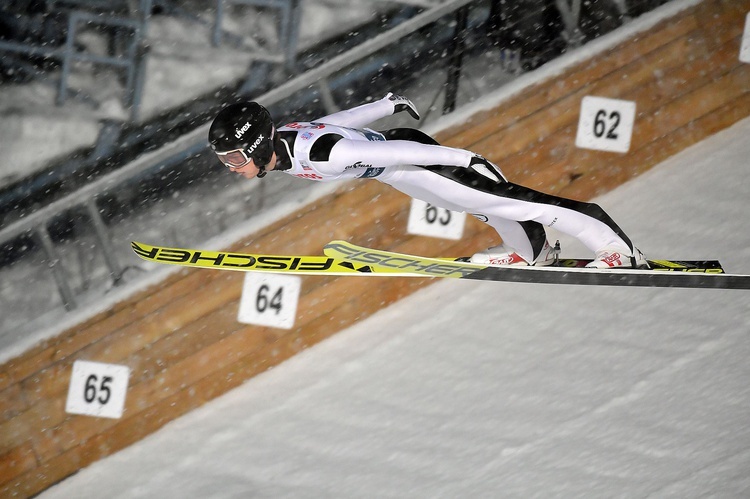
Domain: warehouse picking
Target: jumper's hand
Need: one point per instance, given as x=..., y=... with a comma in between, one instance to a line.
x=486, y=168
x=401, y=103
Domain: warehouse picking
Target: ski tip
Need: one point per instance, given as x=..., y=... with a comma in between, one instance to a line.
x=145, y=251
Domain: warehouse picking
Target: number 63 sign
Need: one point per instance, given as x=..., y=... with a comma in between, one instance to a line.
x=428, y=220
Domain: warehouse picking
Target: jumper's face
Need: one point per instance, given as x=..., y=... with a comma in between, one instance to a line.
x=248, y=169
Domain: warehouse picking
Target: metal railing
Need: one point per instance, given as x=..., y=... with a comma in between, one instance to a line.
x=131, y=61
x=289, y=13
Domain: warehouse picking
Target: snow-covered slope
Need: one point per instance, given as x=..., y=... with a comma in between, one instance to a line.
x=473, y=389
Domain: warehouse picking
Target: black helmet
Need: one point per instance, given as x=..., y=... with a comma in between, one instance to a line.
x=241, y=132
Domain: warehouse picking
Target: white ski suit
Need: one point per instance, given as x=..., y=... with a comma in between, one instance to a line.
x=338, y=146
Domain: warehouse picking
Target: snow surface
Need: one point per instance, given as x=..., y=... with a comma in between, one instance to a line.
x=475, y=389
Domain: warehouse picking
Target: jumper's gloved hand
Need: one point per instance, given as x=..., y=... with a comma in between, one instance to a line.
x=401, y=103
x=486, y=168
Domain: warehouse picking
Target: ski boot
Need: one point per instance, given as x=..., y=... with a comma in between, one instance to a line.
x=610, y=258
x=504, y=256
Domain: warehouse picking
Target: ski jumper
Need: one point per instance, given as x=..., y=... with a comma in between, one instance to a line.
x=338, y=146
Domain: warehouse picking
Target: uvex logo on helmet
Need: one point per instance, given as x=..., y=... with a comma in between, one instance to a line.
x=239, y=132
x=255, y=144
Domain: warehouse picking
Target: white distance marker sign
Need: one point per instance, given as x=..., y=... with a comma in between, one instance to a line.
x=428, y=220
x=97, y=389
x=745, y=47
x=605, y=124
x=269, y=300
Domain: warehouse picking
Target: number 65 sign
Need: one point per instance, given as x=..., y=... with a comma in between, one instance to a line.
x=605, y=124
x=97, y=389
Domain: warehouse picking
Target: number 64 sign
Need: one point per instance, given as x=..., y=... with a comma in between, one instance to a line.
x=269, y=300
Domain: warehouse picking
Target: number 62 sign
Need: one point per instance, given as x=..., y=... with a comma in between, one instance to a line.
x=605, y=124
